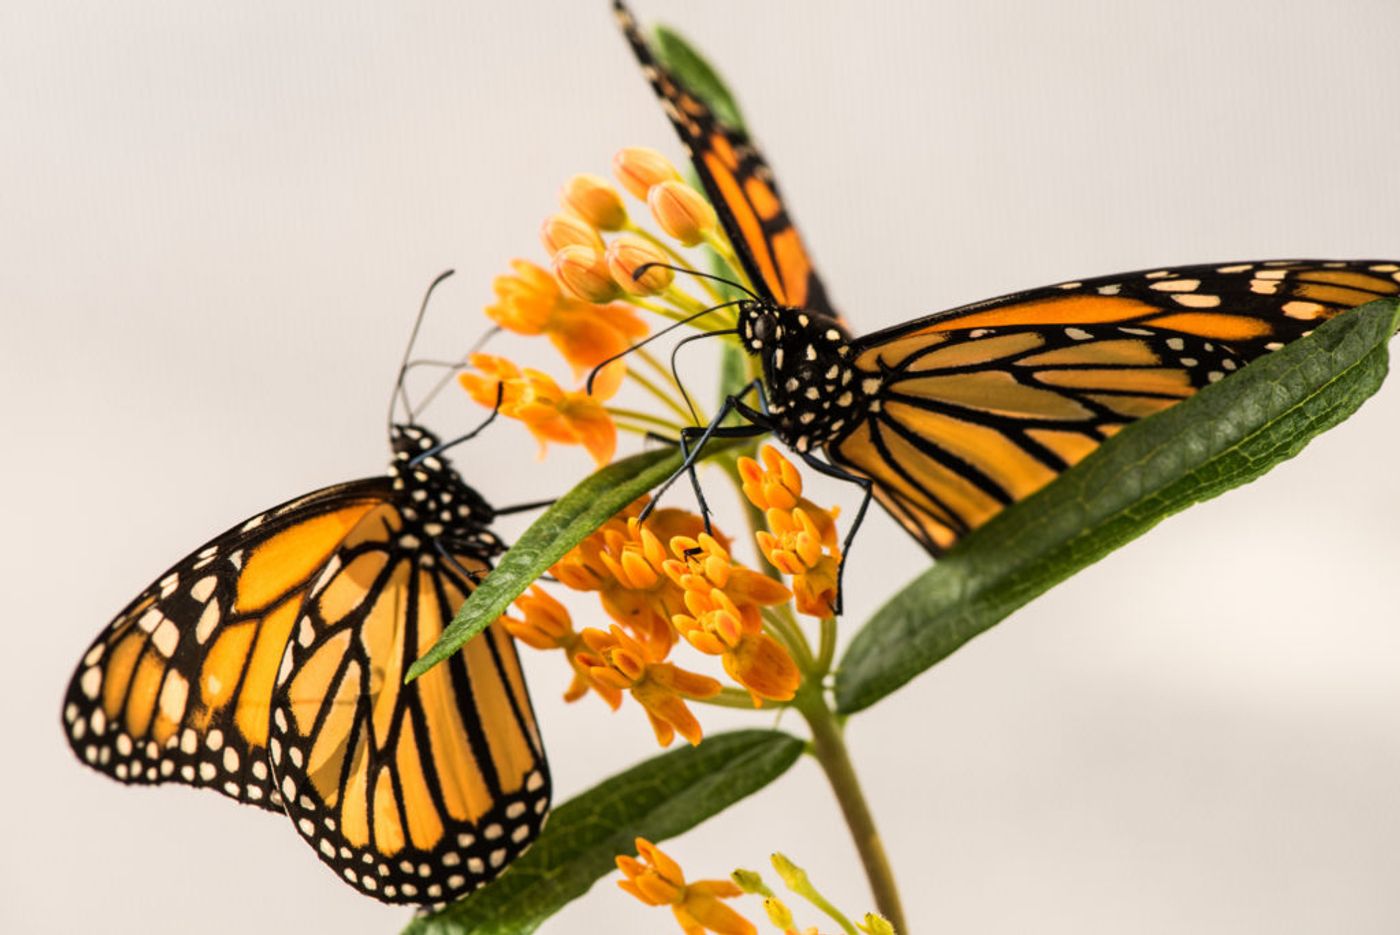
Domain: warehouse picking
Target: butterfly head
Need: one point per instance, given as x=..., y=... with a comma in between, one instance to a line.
x=432, y=493
x=809, y=382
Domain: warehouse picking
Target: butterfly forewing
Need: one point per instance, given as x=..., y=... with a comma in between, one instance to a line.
x=739, y=184
x=269, y=665
x=178, y=687
x=974, y=409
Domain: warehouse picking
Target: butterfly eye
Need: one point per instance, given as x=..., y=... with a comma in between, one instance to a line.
x=762, y=327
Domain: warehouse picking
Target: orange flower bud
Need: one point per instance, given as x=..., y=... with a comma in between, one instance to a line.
x=561, y=230
x=595, y=201
x=682, y=212
x=627, y=254
x=584, y=272
x=638, y=168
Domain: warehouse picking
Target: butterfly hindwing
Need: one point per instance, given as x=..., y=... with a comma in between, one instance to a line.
x=177, y=687
x=269, y=665
x=971, y=410
x=739, y=184
x=416, y=792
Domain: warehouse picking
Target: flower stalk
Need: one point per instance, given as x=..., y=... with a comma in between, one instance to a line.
x=829, y=749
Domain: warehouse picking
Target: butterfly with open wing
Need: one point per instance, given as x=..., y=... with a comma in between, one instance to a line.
x=269, y=666
x=950, y=418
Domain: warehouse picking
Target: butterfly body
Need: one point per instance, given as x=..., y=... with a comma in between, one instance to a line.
x=269, y=665
x=811, y=389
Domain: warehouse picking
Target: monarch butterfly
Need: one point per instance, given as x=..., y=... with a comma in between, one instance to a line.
x=269, y=664
x=952, y=417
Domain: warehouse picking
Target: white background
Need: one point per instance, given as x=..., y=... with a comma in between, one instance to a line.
x=216, y=221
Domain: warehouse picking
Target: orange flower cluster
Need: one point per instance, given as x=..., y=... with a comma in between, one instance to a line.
x=530, y=302
x=551, y=413
x=724, y=617
x=658, y=880
x=688, y=586
x=801, y=536
x=587, y=303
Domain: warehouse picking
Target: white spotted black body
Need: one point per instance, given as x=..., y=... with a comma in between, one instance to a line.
x=813, y=393
x=437, y=505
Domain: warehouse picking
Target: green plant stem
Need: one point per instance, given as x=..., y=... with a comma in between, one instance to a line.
x=737, y=698
x=786, y=631
x=829, y=749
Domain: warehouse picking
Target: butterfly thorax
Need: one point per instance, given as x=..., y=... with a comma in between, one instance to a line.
x=813, y=392
x=436, y=504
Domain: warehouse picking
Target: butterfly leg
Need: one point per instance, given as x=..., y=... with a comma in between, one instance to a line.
x=734, y=403
x=866, y=485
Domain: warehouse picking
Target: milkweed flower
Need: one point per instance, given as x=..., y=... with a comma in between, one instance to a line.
x=626, y=255
x=716, y=626
x=560, y=230
x=551, y=413
x=801, y=537
x=707, y=558
x=682, y=212
x=624, y=562
x=794, y=546
x=593, y=199
x=529, y=301
x=657, y=880
x=615, y=661
x=638, y=168
x=545, y=624
x=584, y=272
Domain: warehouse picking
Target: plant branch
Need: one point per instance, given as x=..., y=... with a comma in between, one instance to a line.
x=829, y=749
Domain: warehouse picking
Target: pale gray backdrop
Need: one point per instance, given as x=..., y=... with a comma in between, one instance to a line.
x=216, y=223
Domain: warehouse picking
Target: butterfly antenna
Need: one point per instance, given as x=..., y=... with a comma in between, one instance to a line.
x=593, y=374
x=400, y=395
x=443, y=446
x=459, y=365
x=641, y=271
x=675, y=374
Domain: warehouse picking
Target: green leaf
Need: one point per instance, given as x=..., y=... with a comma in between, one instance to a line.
x=657, y=799
x=697, y=75
x=561, y=527
x=1224, y=436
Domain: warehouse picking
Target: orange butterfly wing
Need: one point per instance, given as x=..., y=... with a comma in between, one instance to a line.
x=974, y=409
x=740, y=185
x=178, y=688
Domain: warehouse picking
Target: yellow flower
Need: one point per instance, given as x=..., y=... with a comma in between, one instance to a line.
x=639, y=168
x=706, y=559
x=546, y=624
x=530, y=302
x=682, y=212
x=718, y=627
x=657, y=880
x=548, y=411
x=560, y=230
x=594, y=200
x=775, y=485
x=625, y=562
x=584, y=272
x=801, y=536
x=628, y=254
x=794, y=546
x=616, y=662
